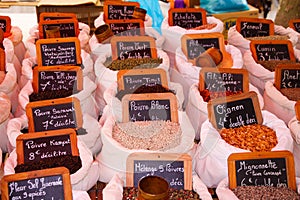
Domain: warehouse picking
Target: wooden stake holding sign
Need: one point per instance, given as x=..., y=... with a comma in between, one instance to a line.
x=53, y=183
x=34, y=147
x=124, y=47
x=5, y=25
x=2, y=60
x=149, y=106
x=134, y=78
x=287, y=76
x=223, y=79
x=235, y=111
x=254, y=27
x=54, y=114
x=275, y=168
x=193, y=45
x=116, y=10
x=175, y=168
x=295, y=24
x=127, y=27
x=187, y=18
x=57, y=78
x=63, y=28
x=266, y=50
x=58, y=51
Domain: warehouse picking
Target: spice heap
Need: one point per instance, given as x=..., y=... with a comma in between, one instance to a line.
x=208, y=95
x=292, y=94
x=271, y=37
x=157, y=88
x=265, y=192
x=50, y=95
x=137, y=63
x=271, y=64
x=148, y=135
x=205, y=26
x=73, y=163
x=254, y=137
x=131, y=193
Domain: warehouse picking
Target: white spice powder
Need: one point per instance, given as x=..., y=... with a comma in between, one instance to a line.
x=149, y=135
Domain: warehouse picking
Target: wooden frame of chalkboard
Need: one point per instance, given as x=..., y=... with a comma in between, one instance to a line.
x=45, y=48
x=254, y=27
x=284, y=157
x=2, y=60
x=5, y=25
x=215, y=79
x=127, y=27
x=32, y=145
x=150, y=106
x=192, y=45
x=41, y=113
x=234, y=111
x=70, y=27
x=140, y=46
x=264, y=50
x=189, y=15
x=133, y=78
x=57, y=78
x=161, y=164
x=295, y=24
x=297, y=110
x=112, y=10
x=32, y=181
x=287, y=76
x=46, y=16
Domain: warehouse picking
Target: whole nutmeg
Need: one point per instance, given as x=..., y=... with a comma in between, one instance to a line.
x=210, y=58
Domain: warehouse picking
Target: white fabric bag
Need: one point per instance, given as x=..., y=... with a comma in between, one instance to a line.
x=113, y=156
x=106, y=77
x=173, y=34
x=243, y=44
x=277, y=103
x=294, y=126
x=258, y=75
x=10, y=87
x=84, y=179
x=196, y=108
x=5, y=108
x=212, y=152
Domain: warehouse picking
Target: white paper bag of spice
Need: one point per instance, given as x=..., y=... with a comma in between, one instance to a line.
x=243, y=44
x=212, y=152
x=294, y=126
x=196, y=107
x=5, y=110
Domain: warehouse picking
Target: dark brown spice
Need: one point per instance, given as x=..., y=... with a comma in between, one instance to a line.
x=144, y=89
x=271, y=64
x=50, y=95
x=265, y=192
x=292, y=94
x=73, y=163
x=137, y=63
x=271, y=37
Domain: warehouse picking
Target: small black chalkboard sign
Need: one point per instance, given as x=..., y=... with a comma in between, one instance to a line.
x=67, y=78
x=223, y=79
x=254, y=27
x=295, y=24
x=54, y=114
x=193, y=45
x=118, y=10
x=67, y=27
x=5, y=25
x=287, y=76
x=53, y=183
x=150, y=107
x=58, y=51
x=175, y=168
x=275, y=169
x=124, y=47
x=267, y=50
x=187, y=18
x=129, y=27
x=235, y=111
x=34, y=147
